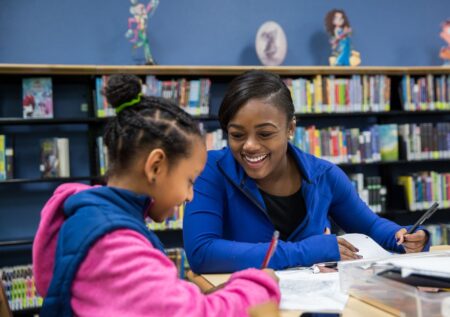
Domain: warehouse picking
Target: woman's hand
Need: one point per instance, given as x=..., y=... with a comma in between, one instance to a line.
x=414, y=242
x=347, y=250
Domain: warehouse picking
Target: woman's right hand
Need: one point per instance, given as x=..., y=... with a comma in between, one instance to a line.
x=272, y=274
x=347, y=250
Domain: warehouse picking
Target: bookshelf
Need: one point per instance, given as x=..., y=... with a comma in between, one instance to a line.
x=74, y=117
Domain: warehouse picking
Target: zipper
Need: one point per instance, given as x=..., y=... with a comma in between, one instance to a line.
x=246, y=194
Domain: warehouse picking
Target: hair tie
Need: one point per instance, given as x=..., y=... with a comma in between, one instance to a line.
x=129, y=103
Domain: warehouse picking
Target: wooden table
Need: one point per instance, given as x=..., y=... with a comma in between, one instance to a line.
x=354, y=307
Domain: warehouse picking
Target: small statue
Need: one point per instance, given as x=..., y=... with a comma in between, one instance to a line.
x=338, y=27
x=445, y=34
x=138, y=33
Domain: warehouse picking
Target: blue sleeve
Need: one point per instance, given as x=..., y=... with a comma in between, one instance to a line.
x=353, y=215
x=208, y=252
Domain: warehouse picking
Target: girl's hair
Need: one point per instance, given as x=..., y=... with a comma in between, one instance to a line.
x=329, y=26
x=150, y=123
x=255, y=84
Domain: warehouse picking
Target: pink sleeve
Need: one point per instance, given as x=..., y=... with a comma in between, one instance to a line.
x=123, y=275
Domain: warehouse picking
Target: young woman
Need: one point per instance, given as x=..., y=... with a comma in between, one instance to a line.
x=94, y=256
x=262, y=183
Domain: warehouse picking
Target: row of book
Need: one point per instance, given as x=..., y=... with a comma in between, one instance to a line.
x=191, y=95
x=173, y=222
x=214, y=141
x=178, y=257
x=6, y=158
x=439, y=233
x=20, y=289
x=425, y=93
x=342, y=145
x=321, y=94
x=371, y=191
x=424, y=188
x=327, y=94
x=425, y=141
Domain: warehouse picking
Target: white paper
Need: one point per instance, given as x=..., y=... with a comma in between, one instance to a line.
x=423, y=263
x=306, y=291
x=368, y=248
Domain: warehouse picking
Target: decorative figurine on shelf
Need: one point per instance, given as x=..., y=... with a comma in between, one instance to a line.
x=271, y=44
x=445, y=34
x=338, y=27
x=137, y=27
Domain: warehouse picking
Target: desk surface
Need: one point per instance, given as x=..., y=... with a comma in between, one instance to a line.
x=354, y=307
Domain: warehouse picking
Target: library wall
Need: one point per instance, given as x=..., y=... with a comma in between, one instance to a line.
x=213, y=32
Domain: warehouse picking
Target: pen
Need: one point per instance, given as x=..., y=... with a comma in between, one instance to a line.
x=271, y=250
x=424, y=217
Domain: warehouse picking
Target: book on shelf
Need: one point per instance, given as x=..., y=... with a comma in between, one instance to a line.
x=20, y=288
x=6, y=158
x=423, y=188
x=388, y=134
x=178, y=257
x=439, y=233
x=55, y=160
x=102, y=108
x=370, y=190
x=425, y=141
x=37, y=99
x=191, y=95
x=421, y=93
x=328, y=94
x=102, y=156
x=173, y=222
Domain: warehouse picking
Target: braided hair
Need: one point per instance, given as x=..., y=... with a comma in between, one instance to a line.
x=151, y=123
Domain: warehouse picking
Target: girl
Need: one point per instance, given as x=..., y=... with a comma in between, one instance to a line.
x=94, y=256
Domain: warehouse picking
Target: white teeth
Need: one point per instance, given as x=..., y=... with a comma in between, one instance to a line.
x=255, y=159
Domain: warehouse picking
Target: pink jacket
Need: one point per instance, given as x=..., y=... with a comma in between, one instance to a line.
x=123, y=275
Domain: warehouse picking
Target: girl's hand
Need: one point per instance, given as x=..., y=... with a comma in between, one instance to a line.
x=272, y=274
x=414, y=242
x=347, y=250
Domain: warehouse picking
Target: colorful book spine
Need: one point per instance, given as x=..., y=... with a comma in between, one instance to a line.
x=20, y=288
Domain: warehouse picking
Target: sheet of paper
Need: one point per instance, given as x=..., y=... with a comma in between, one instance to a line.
x=368, y=248
x=306, y=291
x=424, y=263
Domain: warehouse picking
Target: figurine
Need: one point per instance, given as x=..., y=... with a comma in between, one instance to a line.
x=445, y=34
x=137, y=27
x=338, y=27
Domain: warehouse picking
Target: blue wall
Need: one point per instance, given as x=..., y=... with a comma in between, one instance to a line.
x=218, y=32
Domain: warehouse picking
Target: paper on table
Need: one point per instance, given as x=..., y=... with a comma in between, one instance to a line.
x=368, y=248
x=434, y=264
x=306, y=291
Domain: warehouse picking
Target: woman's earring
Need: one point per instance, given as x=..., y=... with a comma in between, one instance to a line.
x=153, y=179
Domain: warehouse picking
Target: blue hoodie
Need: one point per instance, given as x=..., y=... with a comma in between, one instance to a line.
x=226, y=226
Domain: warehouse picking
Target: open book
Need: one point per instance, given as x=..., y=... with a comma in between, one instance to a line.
x=368, y=248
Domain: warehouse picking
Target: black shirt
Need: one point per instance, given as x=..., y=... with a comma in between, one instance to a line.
x=286, y=212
